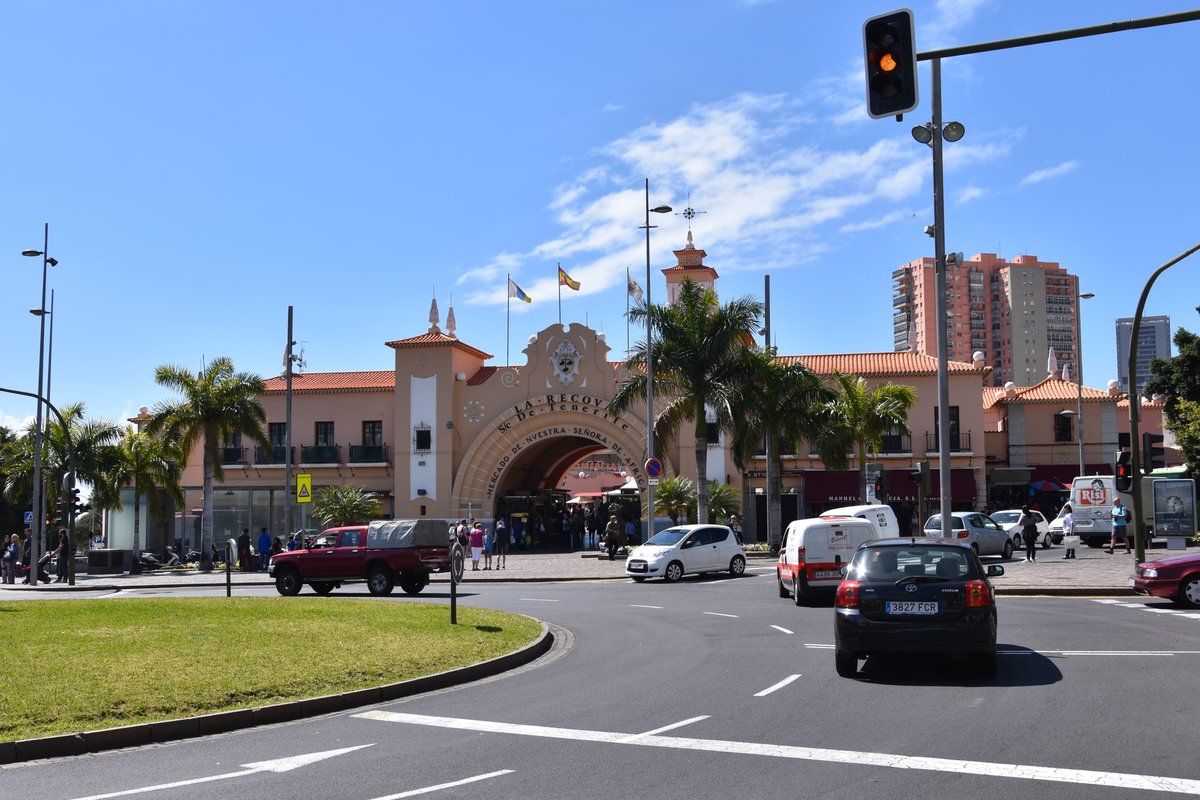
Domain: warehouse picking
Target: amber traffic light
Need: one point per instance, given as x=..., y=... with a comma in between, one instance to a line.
x=890, y=49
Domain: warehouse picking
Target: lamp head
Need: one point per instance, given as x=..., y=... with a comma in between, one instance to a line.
x=953, y=131
x=1087, y=295
x=31, y=252
x=922, y=134
x=930, y=231
x=662, y=210
x=52, y=262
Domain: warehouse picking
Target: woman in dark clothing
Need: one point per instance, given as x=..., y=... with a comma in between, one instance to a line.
x=1029, y=532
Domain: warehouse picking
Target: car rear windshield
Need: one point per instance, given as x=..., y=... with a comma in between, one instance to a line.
x=1004, y=517
x=935, y=523
x=895, y=563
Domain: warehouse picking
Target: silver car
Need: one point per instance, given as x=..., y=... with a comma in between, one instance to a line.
x=985, y=536
x=1008, y=519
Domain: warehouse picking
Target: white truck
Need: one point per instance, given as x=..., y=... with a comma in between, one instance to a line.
x=1091, y=503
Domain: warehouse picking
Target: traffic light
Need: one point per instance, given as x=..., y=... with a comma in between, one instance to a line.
x=73, y=500
x=890, y=47
x=1123, y=469
x=921, y=478
x=881, y=486
x=1152, y=451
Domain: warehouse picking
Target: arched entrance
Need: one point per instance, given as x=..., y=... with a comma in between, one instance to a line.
x=515, y=465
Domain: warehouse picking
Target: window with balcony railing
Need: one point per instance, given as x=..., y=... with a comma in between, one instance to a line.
x=368, y=453
x=270, y=455
x=319, y=454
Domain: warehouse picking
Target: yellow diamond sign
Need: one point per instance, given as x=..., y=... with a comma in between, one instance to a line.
x=303, y=487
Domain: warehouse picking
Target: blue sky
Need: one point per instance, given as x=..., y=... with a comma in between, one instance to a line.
x=203, y=165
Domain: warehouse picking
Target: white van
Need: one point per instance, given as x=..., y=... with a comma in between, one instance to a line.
x=814, y=551
x=881, y=516
x=1091, y=504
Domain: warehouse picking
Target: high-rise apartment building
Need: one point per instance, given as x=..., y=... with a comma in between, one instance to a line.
x=1154, y=341
x=1013, y=312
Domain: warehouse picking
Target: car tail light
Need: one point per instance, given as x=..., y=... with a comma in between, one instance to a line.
x=978, y=594
x=847, y=594
x=800, y=556
x=963, y=534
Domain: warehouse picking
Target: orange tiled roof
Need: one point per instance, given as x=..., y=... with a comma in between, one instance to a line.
x=329, y=382
x=992, y=395
x=484, y=375
x=1055, y=390
x=878, y=364
x=437, y=339
x=1154, y=403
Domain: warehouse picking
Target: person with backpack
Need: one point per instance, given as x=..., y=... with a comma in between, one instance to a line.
x=1120, y=526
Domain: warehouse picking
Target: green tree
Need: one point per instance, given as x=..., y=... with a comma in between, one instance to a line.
x=780, y=404
x=723, y=500
x=697, y=355
x=675, y=497
x=149, y=464
x=217, y=403
x=1178, y=381
x=857, y=420
x=334, y=506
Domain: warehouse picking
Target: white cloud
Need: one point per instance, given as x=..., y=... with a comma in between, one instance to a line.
x=15, y=424
x=951, y=15
x=611, y=107
x=1049, y=172
x=872, y=224
x=968, y=194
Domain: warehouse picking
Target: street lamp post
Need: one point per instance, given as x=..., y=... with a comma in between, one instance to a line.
x=650, y=371
x=1079, y=375
x=39, y=521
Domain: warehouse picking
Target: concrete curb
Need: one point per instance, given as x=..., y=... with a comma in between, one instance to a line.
x=73, y=744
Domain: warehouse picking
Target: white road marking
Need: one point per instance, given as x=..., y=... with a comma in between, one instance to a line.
x=851, y=758
x=811, y=646
x=719, y=614
x=783, y=630
x=777, y=686
x=537, y=600
x=635, y=605
x=1153, y=610
x=666, y=728
x=277, y=765
x=440, y=786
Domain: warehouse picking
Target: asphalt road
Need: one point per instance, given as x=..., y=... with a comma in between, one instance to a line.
x=717, y=688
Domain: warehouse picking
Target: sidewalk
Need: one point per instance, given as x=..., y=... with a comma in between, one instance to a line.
x=1092, y=572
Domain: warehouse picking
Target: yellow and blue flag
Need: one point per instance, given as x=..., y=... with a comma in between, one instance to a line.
x=515, y=291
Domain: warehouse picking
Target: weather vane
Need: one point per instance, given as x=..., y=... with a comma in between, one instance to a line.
x=689, y=213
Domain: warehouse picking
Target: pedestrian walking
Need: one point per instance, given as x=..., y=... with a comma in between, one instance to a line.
x=26, y=557
x=1070, y=540
x=736, y=524
x=243, y=545
x=1029, y=532
x=1120, y=526
x=10, y=559
x=488, y=542
x=502, y=543
x=476, y=538
x=292, y=544
x=613, y=536
x=264, y=550
x=62, y=555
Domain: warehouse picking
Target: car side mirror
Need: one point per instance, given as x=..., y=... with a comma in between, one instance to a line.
x=995, y=570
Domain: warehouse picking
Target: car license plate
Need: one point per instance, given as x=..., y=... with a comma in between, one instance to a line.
x=1131, y=582
x=911, y=607
x=637, y=566
x=826, y=573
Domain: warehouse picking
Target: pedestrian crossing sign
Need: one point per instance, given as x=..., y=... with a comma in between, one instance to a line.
x=303, y=487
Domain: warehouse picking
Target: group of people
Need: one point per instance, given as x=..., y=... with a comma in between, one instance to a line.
x=267, y=547
x=1119, y=513
x=483, y=542
x=15, y=554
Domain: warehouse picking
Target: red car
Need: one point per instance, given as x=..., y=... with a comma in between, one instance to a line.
x=1174, y=577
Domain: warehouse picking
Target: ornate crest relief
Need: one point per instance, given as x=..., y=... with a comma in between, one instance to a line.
x=565, y=362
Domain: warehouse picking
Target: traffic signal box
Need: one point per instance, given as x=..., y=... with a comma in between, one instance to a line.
x=890, y=50
x=881, y=486
x=1123, y=469
x=1152, y=451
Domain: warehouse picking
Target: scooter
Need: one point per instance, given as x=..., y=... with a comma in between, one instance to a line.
x=146, y=562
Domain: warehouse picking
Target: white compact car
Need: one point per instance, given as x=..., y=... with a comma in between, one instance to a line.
x=980, y=531
x=1008, y=520
x=687, y=550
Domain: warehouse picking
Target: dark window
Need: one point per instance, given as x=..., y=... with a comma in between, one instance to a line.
x=953, y=422
x=372, y=432
x=422, y=439
x=713, y=433
x=324, y=431
x=277, y=433
x=233, y=439
x=1062, y=428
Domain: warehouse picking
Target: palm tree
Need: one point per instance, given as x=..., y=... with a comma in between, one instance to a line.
x=859, y=418
x=697, y=354
x=217, y=403
x=149, y=463
x=675, y=497
x=334, y=506
x=723, y=501
x=779, y=404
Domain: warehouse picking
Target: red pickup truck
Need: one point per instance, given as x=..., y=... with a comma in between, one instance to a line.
x=384, y=553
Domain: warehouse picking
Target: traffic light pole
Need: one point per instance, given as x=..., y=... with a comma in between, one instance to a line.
x=939, y=245
x=1135, y=406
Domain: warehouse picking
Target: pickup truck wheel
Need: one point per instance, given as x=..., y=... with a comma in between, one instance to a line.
x=322, y=587
x=412, y=584
x=379, y=581
x=287, y=582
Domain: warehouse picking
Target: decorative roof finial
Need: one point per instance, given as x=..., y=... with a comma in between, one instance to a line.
x=434, y=317
x=451, y=325
x=689, y=214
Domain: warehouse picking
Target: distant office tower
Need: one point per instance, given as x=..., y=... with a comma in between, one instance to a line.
x=1154, y=341
x=1011, y=311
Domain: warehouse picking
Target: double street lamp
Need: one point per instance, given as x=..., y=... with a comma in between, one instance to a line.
x=39, y=520
x=650, y=370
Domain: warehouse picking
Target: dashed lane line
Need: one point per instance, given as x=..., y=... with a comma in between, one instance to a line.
x=815, y=646
x=782, y=630
x=441, y=786
x=636, y=605
x=852, y=758
x=777, y=686
x=666, y=728
x=719, y=614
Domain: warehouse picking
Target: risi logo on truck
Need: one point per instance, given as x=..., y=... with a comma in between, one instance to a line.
x=1093, y=496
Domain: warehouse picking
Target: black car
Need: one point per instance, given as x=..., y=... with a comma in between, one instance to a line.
x=916, y=595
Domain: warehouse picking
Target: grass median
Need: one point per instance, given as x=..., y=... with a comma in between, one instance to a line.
x=77, y=665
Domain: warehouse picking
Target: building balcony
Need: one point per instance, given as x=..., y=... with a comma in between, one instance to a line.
x=231, y=456
x=368, y=454
x=270, y=455
x=959, y=443
x=320, y=454
x=895, y=443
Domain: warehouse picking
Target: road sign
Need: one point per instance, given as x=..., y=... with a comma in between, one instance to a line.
x=303, y=487
x=653, y=481
x=457, y=562
x=653, y=468
x=28, y=517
